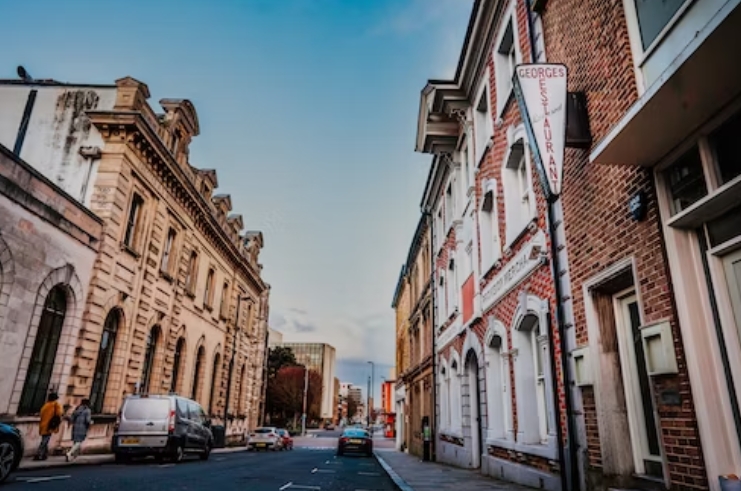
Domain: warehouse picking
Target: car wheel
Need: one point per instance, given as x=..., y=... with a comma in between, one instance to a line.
x=8, y=455
x=178, y=455
x=207, y=452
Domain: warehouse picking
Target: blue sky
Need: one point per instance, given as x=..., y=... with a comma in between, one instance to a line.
x=307, y=111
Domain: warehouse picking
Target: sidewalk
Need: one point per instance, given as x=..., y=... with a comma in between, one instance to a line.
x=411, y=474
x=28, y=464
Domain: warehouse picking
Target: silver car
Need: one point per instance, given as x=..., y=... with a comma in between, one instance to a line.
x=266, y=438
x=162, y=426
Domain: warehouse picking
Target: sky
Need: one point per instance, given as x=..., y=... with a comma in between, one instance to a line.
x=308, y=112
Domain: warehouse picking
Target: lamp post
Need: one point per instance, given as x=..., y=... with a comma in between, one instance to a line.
x=371, y=393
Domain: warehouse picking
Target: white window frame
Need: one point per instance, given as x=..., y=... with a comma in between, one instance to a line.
x=452, y=286
x=442, y=307
x=519, y=196
x=497, y=378
x=504, y=56
x=455, y=424
x=489, y=237
x=483, y=127
x=449, y=205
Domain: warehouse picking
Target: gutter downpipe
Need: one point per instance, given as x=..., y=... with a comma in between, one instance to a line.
x=433, y=423
x=568, y=457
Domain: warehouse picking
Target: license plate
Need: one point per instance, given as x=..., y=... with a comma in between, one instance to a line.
x=129, y=441
x=356, y=441
x=261, y=444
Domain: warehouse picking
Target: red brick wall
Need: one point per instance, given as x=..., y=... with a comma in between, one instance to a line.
x=590, y=37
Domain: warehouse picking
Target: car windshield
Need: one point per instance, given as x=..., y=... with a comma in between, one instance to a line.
x=264, y=430
x=356, y=434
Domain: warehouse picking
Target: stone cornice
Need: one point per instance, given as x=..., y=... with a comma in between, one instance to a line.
x=131, y=128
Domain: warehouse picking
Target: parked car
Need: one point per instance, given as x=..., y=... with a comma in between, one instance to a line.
x=11, y=450
x=329, y=427
x=165, y=426
x=287, y=438
x=265, y=438
x=354, y=440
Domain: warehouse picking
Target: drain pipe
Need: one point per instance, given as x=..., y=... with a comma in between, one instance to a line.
x=567, y=456
x=433, y=423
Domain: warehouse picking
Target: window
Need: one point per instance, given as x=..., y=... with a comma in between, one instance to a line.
x=41, y=364
x=445, y=399
x=192, y=278
x=455, y=398
x=103, y=365
x=686, y=180
x=489, y=231
x=519, y=205
x=214, y=379
x=149, y=357
x=452, y=282
x=654, y=16
x=224, y=307
x=131, y=236
x=440, y=303
x=449, y=207
x=208, y=293
x=240, y=397
x=177, y=363
x=440, y=231
x=175, y=141
x=495, y=390
x=532, y=403
x=167, y=253
x=482, y=119
x=726, y=141
x=505, y=59
x=197, y=374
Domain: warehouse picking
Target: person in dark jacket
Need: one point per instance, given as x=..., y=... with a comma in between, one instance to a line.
x=81, y=420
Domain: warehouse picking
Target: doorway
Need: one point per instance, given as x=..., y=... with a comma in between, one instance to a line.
x=638, y=395
x=473, y=384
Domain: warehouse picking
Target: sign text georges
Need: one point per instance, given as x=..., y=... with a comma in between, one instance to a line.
x=541, y=93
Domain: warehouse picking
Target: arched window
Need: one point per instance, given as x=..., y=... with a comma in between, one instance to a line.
x=214, y=378
x=149, y=354
x=496, y=388
x=532, y=402
x=41, y=364
x=455, y=397
x=177, y=364
x=105, y=356
x=445, y=398
x=197, y=372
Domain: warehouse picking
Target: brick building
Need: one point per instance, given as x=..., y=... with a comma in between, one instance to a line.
x=176, y=301
x=647, y=238
x=402, y=308
x=416, y=372
x=495, y=298
x=48, y=246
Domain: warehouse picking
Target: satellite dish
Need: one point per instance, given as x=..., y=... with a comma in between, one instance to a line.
x=24, y=74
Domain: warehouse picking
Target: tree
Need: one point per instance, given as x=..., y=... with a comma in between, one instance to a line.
x=279, y=357
x=352, y=408
x=286, y=394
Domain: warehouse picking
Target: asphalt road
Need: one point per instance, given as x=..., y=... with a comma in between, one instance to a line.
x=303, y=469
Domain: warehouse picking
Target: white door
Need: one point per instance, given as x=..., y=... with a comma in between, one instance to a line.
x=638, y=396
x=732, y=263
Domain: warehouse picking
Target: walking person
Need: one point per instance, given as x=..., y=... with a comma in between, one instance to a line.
x=81, y=420
x=50, y=418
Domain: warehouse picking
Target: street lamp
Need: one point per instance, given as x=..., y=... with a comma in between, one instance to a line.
x=371, y=393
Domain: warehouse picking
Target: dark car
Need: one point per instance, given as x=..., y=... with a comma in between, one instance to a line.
x=355, y=440
x=11, y=450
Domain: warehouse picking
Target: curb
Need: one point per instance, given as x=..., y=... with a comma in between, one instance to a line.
x=398, y=481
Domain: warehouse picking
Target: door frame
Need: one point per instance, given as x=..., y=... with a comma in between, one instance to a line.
x=472, y=368
x=631, y=384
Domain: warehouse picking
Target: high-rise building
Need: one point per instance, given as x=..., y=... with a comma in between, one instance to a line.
x=320, y=357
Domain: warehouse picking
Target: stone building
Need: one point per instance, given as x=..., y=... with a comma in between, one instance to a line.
x=48, y=246
x=417, y=374
x=176, y=301
x=402, y=308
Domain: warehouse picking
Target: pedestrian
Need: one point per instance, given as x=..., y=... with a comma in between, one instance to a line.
x=50, y=418
x=81, y=421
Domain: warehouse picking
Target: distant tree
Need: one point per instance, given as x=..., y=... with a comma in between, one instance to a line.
x=352, y=408
x=279, y=357
x=286, y=394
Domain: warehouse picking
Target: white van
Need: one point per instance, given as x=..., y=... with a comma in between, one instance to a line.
x=162, y=426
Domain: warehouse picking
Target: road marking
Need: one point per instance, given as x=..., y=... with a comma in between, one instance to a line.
x=313, y=471
x=298, y=486
x=369, y=473
x=41, y=479
x=285, y=486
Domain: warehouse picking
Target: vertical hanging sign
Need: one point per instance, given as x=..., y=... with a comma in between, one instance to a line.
x=540, y=89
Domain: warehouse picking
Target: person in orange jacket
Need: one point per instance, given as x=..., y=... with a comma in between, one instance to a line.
x=49, y=422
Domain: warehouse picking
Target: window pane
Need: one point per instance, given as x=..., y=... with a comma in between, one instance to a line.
x=725, y=227
x=653, y=16
x=727, y=143
x=686, y=180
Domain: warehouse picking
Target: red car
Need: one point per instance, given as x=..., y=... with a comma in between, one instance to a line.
x=287, y=439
